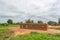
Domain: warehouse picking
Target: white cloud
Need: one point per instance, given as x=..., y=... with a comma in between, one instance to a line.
x=27, y=8
x=41, y=7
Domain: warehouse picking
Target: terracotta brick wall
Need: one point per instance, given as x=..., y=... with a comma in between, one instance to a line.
x=34, y=26
x=31, y=26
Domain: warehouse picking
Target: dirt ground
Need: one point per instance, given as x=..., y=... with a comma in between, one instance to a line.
x=18, y=31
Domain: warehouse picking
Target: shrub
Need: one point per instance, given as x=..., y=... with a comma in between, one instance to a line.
x=9, y=21
x=4, y=24
x=37, y=36
x=29, y=21
x=5, y=33
x=40, y=22
x=59, y=21
x=52, y=23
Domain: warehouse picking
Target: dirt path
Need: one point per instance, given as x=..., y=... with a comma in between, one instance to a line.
x=18, y=31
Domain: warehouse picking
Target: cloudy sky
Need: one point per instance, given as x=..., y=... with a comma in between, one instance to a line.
x=20, y=10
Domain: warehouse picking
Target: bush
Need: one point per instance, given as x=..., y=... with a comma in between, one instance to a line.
x=37, y=36
x=52, y=23
x=59, y=21
x=40, y=21
x=9, y=21
x=4, y=24
x=5, y=34
x=29, y=21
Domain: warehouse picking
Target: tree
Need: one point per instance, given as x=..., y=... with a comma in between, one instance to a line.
x=9, y=21
x=21, y=22
x=52, y=23
x=40, y=22
x=32, y=21
x=29, y=21
x=59, y=21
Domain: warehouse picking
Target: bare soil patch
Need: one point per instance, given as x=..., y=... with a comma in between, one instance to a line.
x=53, y=27
x=18, y=31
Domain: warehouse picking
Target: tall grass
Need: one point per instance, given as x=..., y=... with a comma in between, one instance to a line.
x=37, y=36
x=57, y=28
x=5, y=33
x=8, y=25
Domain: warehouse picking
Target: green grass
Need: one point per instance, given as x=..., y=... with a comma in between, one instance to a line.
x=57, y=28
x=37, y=36
x=10, y=25
x=5, y=34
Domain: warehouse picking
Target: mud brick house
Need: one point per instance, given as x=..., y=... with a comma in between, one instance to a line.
x=33, y=26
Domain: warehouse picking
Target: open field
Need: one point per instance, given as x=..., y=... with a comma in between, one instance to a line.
x=7, y=26
x=5, y=34
x=18, y=31
x=13, y=32
x=54, y=27
x=37, y=36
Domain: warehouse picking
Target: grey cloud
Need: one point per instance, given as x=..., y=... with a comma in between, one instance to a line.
x=34, y=9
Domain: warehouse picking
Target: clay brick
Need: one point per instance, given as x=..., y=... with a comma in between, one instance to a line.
x=34, y=26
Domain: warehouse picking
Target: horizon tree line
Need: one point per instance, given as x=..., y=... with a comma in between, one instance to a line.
x=10, y=21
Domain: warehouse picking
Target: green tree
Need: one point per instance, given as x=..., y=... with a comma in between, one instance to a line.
x=52, y=23
x=32, y=21
x=29, y=21
x=9, y=21
x=59, y=21
x=40, y=21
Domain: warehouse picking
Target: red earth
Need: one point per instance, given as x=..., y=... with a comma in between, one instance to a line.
x=18, y=31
